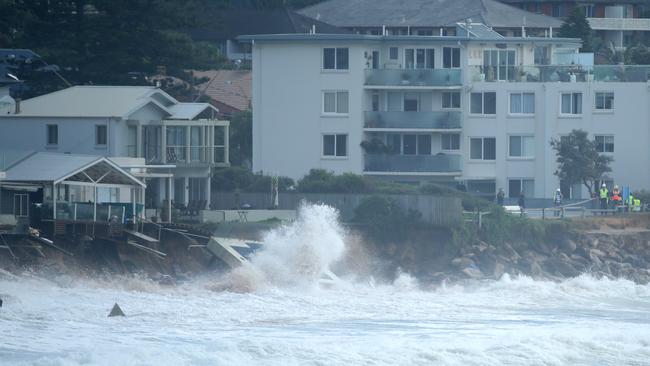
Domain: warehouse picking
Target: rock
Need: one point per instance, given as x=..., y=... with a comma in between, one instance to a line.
x=561, y=266
x=568, y=246
x=499, y=270
x=536, y=269
x=543, y=248
x=116, y=311
x=463, y=262
x=472, y=272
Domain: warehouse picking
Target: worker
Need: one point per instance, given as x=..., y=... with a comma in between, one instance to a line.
x=557, y=201
x=637, y=205
x=522, y=203
x=630, y=202
x=500, y=196
x=604, y=195
x=616, y=200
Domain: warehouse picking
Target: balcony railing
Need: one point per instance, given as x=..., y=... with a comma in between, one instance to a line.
x=441, y=163
x=561, y=73
x=623, y=24
x=413, y=120
x=413, y=77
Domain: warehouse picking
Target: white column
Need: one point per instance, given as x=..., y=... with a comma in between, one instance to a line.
x=133, y=201
x=163, y=143
x=186, y=187
x=187, y=143
x=143, y=214
x=169, y=199
x=211, y=143
x=139, y=141
x=54, y=193
x=208, y=192
x=95, y=203
x=226, y=139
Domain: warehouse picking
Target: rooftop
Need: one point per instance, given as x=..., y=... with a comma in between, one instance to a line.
x=424, y=13
x=230, y=87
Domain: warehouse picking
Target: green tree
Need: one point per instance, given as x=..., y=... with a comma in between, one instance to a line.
x=638, y=55
x=241, y=139
x=579, y=160
x=576, y=25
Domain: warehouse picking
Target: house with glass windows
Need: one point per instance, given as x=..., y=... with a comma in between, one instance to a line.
x=476, y=108
x=126, y=121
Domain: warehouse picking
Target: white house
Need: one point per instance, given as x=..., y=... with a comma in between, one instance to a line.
x=126, y=121
x=476, y=108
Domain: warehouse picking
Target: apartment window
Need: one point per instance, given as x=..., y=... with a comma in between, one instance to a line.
x=419, y=58
x=558, y=10
x=604, y=101
x=605, y=143
x=375, y=102
x=450, y=100
x=409, y=144
x=52, y=134
x=335, y=102
x=517, y=186
x=335, y=58
x=499, y=64
x=482, y=148
x=450, y=141
x=571, y=103
x=521, y=147
x=522, y=103
x=450, y=57
x=393, y=53
x=483, y=103
x=411, y=102
x=335, y=145
x=100, y=135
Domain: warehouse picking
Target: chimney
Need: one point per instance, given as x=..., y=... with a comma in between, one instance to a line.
x=17, y=111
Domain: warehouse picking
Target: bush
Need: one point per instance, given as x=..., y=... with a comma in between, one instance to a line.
x=235, y=178
x=322, y=181
x=384, y=218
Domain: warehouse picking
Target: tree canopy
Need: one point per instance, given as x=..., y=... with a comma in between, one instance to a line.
x=576, y=25
x=579, y=160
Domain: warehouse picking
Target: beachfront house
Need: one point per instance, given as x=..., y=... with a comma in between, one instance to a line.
x=126, y=121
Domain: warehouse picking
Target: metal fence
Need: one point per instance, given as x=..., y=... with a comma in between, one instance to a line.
x=437, y=210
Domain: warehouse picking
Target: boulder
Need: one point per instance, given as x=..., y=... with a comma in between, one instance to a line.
x=536, y=269
x=499, y=270
x=472, y=272
x=567, y=246
x=561, y=266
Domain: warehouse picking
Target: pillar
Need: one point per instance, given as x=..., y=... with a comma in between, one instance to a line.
x=188, y=142
x=226, y=142
x=139, y=142
x=169, y=199
x=208, y=192
x=186, y=185
x=54, y=194
x=163, y=143
x=95, y=203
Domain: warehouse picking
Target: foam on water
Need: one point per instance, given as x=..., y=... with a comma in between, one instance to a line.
x=284, y=320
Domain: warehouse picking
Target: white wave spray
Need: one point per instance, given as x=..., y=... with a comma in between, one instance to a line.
x=296, y=254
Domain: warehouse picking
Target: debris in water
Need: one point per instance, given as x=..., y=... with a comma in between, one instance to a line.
x=116, y=311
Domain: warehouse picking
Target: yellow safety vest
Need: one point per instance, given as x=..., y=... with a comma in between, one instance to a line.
x=603, y=192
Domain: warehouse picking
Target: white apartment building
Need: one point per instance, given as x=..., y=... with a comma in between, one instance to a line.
x=477, y=108
x=127, y=122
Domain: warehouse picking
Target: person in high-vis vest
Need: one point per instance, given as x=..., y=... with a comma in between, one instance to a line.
x=604, y=195
x=637, y=205
x=630, y=202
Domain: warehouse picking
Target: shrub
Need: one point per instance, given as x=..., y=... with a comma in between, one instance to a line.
x=322, y=181
x=384, y=218
x=236, y=178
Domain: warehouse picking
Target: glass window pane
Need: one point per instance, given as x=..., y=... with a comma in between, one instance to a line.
x=528, y=103
x=455, y=99
x=410, y=58
x=445, y=142
x=476, y=103
x=514, y=188
x=577, y=103
x=528, y=146
x=456, y=57
x=490, y=103
x=446, y=100
x=328, y=145
x=409, y=144
x=476, y=148
x=328, y=58
x=455, y=141
x=609, y=101
x=342, y=102
x=393, y=51
x=341, y=145
x=342, y=58
x=528, y=186
x=420, y=58
x=600, y=101
x=446, y=57
x=489, y=149
x=410, y=102
x=329, y=102
x=394, y=142
x=424, y=144
x=394, y=101
x=515, y=103
x=566, y=103
x=515, y=146
x=431, y=58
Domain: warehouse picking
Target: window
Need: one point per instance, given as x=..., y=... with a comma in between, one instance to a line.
x=100, y=135
x=335, y=102
x=522, y=103
x=419, y=58
x=605, y=144
x=558, y=10
x=335, y=59
x=450, y=141
x=450, y=100
x=499, y=64
x=393, y=53
x=482, y=148
x=409, y=144
x=571, y=103
x=375, y=59
x=521, y=147
x=411, y=102
x=450, y=57
x=375, y=102
x=52, y=134
x=483, y=103
x=517, y=186
x=335, y=145
x=604, y=101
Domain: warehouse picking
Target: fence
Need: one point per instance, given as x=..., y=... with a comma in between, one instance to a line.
x=441, y=211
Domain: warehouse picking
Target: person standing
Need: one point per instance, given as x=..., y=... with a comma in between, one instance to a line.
x=501, y=195
x=604, y=195
x=557, y=201
x=522, y=203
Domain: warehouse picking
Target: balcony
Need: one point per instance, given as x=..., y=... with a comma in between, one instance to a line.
x=447, y=164
x=413, y=120
x=620, y=24
x=561, y=73
x=413, y=78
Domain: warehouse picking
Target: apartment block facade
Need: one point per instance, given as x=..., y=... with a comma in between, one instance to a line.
x=479, y=110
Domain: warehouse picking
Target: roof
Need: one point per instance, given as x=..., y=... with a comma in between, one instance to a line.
x=54, y=167
x=424, y=13
x=271, y=21
x=106, y=102
x=229, y=87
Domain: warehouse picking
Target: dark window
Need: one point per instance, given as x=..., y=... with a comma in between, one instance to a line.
x=451, y=141
x=329, y=142
x=424, y=144
x=335, y=59
x=52, y=134
x=335, y=145
x=342, y=58
x=341, y=145
x=329, y=58
x=410, y=102
x=100, y=135
x=451, y=100
x=489, y=149
x=393, y=53
x=450, y=57
x=410, y=142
